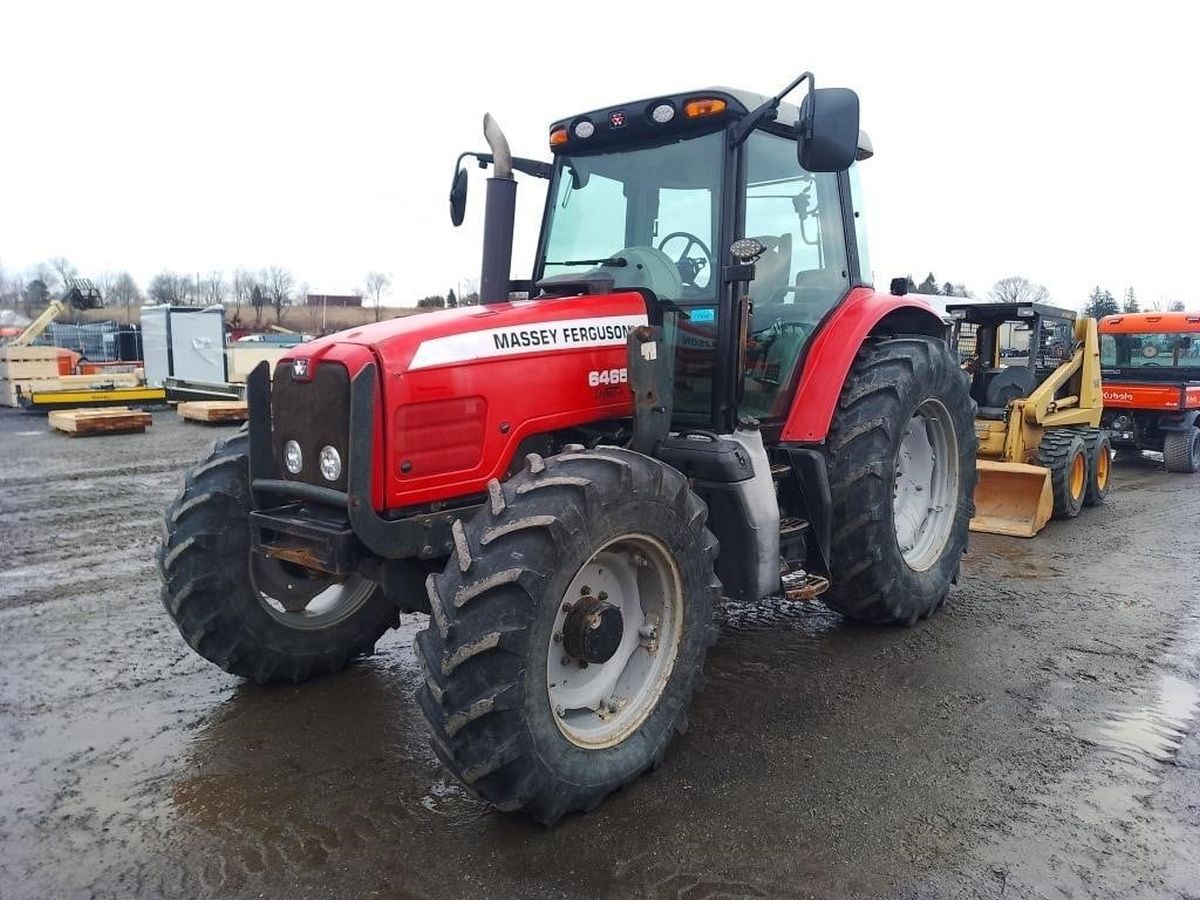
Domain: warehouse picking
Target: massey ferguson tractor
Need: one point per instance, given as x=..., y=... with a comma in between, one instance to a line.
x=698, y=394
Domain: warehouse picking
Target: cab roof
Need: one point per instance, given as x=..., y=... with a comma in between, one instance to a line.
x=630, y=122
x=1150, y=323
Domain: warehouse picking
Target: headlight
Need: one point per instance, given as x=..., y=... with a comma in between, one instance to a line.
x=331, y=464
x=293, y=459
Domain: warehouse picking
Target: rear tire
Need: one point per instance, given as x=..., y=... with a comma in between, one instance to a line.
x=897, y=384
x=1064, y=452
x=495, y=652
x=1181, y=451
x=210, y=592
x=1099, y=458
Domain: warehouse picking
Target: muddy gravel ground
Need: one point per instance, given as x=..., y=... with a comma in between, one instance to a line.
x=1035, y=739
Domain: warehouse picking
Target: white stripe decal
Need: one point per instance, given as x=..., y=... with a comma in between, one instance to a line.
x=534, y=337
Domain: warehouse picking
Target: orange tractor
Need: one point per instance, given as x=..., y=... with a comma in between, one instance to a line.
x=1151, y=367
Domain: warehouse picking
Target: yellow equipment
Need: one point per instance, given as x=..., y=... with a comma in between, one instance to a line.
x=52, y=311
x=1035, y=375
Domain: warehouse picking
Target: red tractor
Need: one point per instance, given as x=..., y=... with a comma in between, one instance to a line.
x=702, y=396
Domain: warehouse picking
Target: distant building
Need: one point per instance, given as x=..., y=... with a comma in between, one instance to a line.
x=333, y=300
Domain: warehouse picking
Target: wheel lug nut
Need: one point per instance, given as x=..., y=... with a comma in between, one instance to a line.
x=603, y=595
x=558, y=637
x=585, y=590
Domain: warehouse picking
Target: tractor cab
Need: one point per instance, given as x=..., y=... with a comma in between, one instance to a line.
x=701, y=202
x=1008, y=349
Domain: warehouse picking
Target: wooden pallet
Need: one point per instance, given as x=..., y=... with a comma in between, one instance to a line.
x=214, y=412
x=102, y=420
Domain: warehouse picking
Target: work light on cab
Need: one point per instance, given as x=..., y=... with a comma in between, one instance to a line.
x=662, y=113
x=704, y=106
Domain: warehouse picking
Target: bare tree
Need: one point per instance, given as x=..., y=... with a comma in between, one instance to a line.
x=213, y=289
x=377, y=283
x=279, y=290
x=1018, y=289
x=64, y=270
x=12, y=287
x=239, y=290
x=169, y=287
x=258, y=299
x=1176, y=306
x=124, y=292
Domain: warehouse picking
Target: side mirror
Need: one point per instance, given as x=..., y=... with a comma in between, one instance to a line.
x=458, y=197
x=828, y=130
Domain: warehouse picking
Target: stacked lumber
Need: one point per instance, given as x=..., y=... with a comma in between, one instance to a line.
x=98, y=381
x=26, y=369
x=102, y=420
x=213, y=412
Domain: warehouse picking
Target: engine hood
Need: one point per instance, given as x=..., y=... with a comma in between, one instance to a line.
x=476, y=333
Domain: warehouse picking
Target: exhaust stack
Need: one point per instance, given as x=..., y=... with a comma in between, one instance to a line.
x=499, y=215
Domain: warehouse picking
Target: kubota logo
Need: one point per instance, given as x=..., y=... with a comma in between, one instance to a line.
x=1118, y=395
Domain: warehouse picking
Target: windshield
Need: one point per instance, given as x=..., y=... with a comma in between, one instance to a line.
x=1141, y=351
x=647, y=218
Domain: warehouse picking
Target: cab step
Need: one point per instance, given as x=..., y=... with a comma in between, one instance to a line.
x=800, y=585
x=790, y=526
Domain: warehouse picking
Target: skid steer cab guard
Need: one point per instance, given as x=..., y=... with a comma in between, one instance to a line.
x=1035, y=380
x=697, y=394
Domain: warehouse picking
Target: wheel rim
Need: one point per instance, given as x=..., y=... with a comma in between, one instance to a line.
x=301, y=599
x=925, y=492
x=1078, y=475
x=1102, y=465
x=600, y=704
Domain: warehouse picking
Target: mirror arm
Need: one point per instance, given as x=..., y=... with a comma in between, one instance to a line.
x=766, y=111
x=534, y=167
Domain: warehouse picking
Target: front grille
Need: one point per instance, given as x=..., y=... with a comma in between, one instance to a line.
x=314, y=414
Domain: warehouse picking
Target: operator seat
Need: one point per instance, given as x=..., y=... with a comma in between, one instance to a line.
x=1002, y=387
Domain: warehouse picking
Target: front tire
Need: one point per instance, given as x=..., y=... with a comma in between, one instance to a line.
x=512, y=713
x=249, y=615
x=901, y=455
x=1181, y=451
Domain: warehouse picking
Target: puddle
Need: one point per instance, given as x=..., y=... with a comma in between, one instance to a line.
x=1157, y=730
x=1154, y=729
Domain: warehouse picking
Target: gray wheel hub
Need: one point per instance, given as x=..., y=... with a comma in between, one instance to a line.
x=925, y=493
x=616, y=634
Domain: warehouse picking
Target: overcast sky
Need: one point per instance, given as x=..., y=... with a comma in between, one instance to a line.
x=1014, y=138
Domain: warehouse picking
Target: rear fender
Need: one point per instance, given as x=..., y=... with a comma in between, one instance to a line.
x=1181, y=421
x=831, y=353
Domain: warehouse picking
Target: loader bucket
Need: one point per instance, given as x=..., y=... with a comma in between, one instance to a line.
x=1012, y=498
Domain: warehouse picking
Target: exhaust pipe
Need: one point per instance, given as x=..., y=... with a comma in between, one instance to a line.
x=500, y=209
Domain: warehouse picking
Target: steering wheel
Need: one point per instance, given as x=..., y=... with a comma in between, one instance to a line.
x=690, y=267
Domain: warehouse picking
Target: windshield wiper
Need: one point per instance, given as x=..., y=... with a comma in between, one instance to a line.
x=618, y=261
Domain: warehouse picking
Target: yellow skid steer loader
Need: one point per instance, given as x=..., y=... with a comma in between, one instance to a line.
x=1035, y=375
